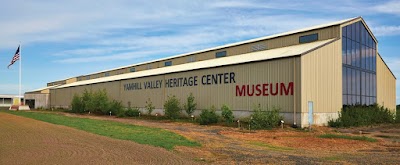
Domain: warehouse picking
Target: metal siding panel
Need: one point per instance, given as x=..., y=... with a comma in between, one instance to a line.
x=273, y=71
x=386, y=85
x=322, y=78
x=41, y=100
x=138, y=98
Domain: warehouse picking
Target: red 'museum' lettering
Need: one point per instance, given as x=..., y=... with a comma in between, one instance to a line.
x=248, y=90
x=265, y=89
x=289, y=89
x=240, y=91
x=258, y=90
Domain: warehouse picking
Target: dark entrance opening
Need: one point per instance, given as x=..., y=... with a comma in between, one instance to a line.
x=30, y=103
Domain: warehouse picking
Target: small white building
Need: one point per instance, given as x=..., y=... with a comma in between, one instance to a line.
x=7, y=100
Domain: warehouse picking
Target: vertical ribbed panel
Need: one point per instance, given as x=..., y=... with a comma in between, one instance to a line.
x=321, y=79
x=386, y=85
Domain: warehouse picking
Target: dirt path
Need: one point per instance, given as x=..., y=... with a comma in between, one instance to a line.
x=28, y=141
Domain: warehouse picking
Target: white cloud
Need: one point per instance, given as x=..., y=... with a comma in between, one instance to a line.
x=386, y=30
x=391, y=7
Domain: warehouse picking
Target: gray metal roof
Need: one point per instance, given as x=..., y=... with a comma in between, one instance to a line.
x=234, y=44
x=224, y=61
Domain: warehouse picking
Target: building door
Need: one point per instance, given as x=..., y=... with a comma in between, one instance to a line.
x=310, y=113
x=30, y=103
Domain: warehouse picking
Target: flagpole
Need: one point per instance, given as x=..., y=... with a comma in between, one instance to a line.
x=20, y=72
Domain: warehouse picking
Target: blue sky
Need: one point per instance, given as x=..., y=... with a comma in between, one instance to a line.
x=62, y=39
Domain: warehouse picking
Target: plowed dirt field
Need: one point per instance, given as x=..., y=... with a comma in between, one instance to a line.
x=28, y=141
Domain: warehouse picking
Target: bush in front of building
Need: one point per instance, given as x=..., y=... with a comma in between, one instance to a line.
x=86, y=97
x=149, y=106
x=362, y=115
x=172, y=109
x=98, y=102
x=398, y=113
x=77, y=104
x=265, y=119
x=227, y=114
x=190, y=105
x=132, y=112
x=208, y=116
x=115, y=107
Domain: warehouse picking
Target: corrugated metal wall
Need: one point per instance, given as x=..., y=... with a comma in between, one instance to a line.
x=321, y=79
x=386, y=85
x=41, y=100
x=285, y=70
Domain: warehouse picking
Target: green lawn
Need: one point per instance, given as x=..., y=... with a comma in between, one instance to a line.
x=362, y=138
x=140, y=134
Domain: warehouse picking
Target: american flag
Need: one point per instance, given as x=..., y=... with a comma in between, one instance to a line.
x=15, y=58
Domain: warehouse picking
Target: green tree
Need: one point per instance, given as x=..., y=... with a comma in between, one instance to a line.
x=86, y=98
x=149, y=106
x=99, y=102
x=190, y=105
x=172, y=107
x=227, y=113
x=77, y=104
x=116, y=107
x=398, y=113
x=208, y=116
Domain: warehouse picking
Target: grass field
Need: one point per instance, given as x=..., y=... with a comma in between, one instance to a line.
x=334, y=136
x=140, y=134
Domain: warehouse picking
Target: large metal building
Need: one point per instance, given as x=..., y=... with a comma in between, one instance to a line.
x=309, y=73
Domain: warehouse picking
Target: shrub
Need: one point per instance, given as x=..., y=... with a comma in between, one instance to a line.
x=190, y=105
x=149, y=106
x=208, y=116
x=87, y=96
x=116, y=107
x=172, y=107
x=398, y=113
x=100, y=102
x=96, y=102
x=227, y=114
x=132, y=112
x=361, y=115
x=77, y=104
x=265, y=119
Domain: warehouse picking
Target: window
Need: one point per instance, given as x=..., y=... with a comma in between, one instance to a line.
x=191, y=59
x=359, y=65
x=258, y=47
x=87, y=77
x=220, y=54
x=168, y=63
x=132, y=69
x=106, y=74
x=148, y=67
x=308, y=38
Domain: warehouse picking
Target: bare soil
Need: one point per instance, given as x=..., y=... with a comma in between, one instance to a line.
x=227, y=145
x=28, y=141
